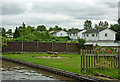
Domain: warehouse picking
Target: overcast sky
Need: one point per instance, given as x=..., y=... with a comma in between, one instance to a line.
x=64, y=14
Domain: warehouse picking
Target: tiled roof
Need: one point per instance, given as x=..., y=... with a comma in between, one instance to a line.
x=94, y=30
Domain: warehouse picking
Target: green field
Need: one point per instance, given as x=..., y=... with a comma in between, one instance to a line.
x=71, y=63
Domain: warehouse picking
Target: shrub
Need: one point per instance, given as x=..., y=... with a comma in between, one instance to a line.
x=50, y=52
x=18, y=52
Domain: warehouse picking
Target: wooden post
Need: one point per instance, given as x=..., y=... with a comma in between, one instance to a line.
x=37, y=46
x=22, y=46
x=52, y=46
x=66, y=47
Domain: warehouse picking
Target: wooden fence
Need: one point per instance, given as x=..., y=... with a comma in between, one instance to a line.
x=92, y=60
x=43, y=47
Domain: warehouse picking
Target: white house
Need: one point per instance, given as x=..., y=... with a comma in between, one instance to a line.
x=58, y=33
x=99, y=36
x=75, y=34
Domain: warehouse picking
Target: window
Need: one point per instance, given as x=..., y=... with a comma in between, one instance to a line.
x=87, y=35
x=61, y=34
x=93, y=35
x=105, y=34
x=70, y=34
x=74, y=34
x=96, y=34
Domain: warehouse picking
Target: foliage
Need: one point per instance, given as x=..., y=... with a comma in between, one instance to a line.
x=16, y=33
x=72, y=29
x=56, y=28
x=3, y=32
x=41, y=28
x=116, y=28
x=81, y=43
x=88, y=25
x=101, y=25
x=103, y=63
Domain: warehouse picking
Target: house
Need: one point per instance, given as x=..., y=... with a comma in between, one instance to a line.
x=100, y=36
x=75, y=34
x=58, y=33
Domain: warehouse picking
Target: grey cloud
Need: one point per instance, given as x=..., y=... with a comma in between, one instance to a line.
x=75, y=10
x=11, y=8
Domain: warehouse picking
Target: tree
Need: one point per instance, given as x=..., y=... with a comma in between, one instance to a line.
x=81, y=43
x=41, y=28
x=16, y=33
x=3, y=32
x=105, y=24
x=88, y=25
x=64, y=29
x=101, y=24
x=23, y=25
x=72, y=29
x=9, y=32
x=56, y=28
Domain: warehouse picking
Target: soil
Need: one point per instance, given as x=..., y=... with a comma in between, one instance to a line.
x=50, y=57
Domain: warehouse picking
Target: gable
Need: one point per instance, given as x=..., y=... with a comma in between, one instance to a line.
x=109, y=30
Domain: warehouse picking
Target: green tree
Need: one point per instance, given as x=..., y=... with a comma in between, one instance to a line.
x=72, y=29
x=3, y=32
x=88, y=25
x=56, y=28
x=101, y=24
x=105, y=24
x=41, y=28
x=23, y=25
x=16, y=33
x=81, y=43
x=9, y=32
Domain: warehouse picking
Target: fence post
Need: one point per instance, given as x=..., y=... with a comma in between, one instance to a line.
x=22, y=46
x=52, y=46
x=37, y=46
x=66, y=47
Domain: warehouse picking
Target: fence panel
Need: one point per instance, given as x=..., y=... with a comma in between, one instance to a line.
x=30, y=46
x=14, y=46
x=59, y=47
x=44, y=47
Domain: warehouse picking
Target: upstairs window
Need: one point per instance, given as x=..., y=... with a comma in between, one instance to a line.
x=105, y=34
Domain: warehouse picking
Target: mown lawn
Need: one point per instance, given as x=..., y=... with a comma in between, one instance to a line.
x=71, y=63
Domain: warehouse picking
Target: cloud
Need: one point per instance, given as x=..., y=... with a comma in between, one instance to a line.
x=11, y=8
x=65, y=14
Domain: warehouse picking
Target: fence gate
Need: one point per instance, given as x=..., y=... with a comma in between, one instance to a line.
x=99, y=60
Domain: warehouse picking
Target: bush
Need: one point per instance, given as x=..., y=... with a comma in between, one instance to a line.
x=50, y=52
x=18, y=52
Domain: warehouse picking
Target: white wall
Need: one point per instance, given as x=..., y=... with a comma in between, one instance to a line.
x=73, y=36
x=60, y=33
x=110, y=35
x=90, y=37
x=80, y=34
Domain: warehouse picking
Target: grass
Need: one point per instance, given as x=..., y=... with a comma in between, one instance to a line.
x=72, y=63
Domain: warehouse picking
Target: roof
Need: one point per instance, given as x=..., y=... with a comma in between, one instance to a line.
x=74, y=31
x=53, y=32
x=94, y=30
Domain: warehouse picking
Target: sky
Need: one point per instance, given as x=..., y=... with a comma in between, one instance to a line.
x=64, y=13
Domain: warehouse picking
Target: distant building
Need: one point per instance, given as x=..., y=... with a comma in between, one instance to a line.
x=58, y=33
x=75, y=34
x=99, y=36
